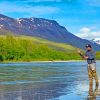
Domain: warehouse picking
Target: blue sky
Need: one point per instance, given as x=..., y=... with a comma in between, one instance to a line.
x=81, y=17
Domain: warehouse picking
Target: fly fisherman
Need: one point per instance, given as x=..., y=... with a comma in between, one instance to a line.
x=90, y=57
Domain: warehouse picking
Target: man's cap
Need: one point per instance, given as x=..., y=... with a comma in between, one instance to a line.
x=88, y=45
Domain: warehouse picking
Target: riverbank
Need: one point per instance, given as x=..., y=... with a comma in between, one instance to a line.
x=44, y=61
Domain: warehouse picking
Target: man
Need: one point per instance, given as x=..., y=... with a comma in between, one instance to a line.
x=90, y=57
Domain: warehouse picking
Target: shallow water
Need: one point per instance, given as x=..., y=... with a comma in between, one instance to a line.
x=45, y=81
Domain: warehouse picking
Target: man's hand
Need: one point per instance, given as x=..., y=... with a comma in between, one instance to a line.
x=86, y=57
x=79, y=51
x=83, y=56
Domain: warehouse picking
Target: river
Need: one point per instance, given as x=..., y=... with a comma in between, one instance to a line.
x=45, y=81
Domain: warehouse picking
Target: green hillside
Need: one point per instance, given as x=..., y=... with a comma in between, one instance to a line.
x=54, y=45
x=25, y=48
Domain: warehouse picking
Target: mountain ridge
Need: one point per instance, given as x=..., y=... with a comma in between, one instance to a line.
x=43, y=28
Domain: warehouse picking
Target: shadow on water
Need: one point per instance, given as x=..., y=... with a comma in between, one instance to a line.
x=45, y=81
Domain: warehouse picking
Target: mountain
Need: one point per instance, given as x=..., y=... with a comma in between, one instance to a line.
x=43, y=28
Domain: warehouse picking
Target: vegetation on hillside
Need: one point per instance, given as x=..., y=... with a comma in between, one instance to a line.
x=24, y=48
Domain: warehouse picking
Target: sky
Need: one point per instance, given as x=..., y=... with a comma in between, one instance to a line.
x=80, y=17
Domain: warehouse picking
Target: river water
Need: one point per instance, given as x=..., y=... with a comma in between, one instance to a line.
x=45, y=81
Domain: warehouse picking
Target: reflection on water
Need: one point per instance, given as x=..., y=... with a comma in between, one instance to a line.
x=45, y=81
x=92, y=94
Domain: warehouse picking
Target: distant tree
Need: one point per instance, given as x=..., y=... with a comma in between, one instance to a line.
x=1, y=58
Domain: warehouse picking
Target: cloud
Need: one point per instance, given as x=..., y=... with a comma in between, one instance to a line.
x=52, y=1
x=9, y=8
x=93, y=3
x=85, y=30
x=45, y=9
x=33, y=1
x=88, y=33
x=47, y=0
x=40, y=1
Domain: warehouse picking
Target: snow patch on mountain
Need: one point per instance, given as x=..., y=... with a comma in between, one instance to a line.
x=1, y=26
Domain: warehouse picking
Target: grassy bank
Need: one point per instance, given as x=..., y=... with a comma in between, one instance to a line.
x=25, y=48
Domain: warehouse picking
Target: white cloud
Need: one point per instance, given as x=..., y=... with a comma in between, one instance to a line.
x=88, y=33
x=45, y=9
x=93, y=2
x=6, y=7
x=85, y=30
x=47, y=0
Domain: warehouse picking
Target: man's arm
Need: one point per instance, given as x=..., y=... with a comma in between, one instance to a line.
x=82, y=55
